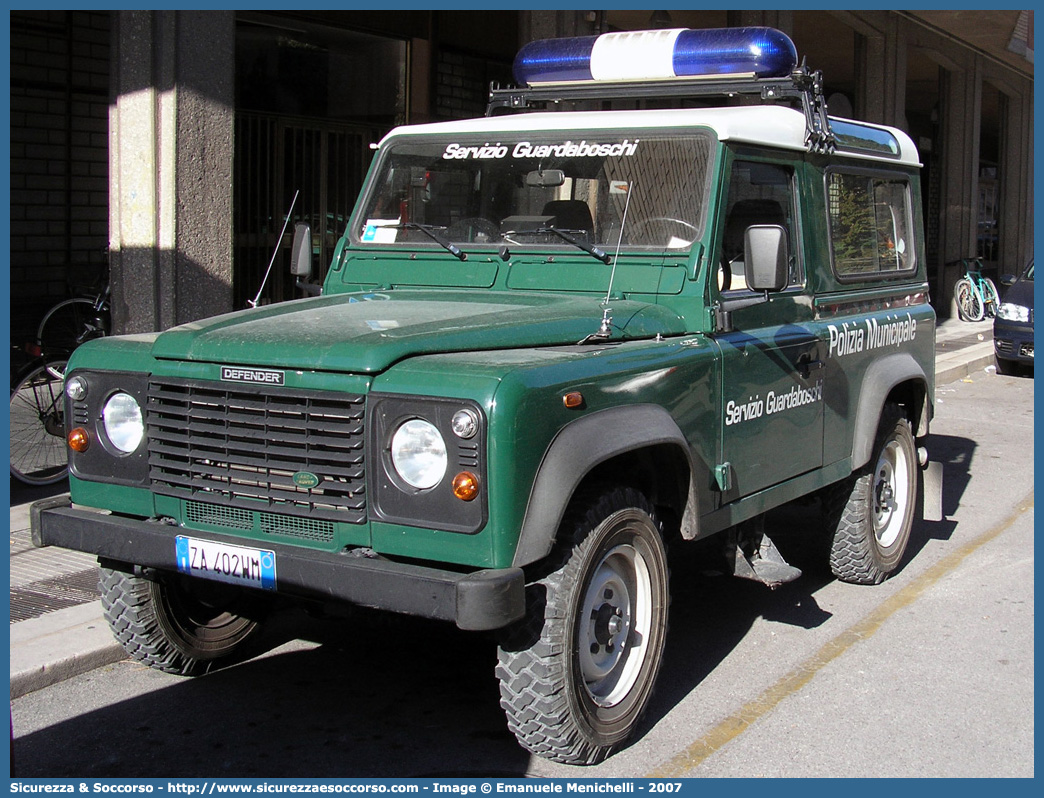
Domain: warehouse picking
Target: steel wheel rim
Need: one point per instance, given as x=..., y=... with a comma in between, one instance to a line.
x=207, y=629
x=614, y=625
x=891, y=494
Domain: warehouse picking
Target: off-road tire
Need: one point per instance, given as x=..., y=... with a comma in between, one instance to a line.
x=177, y=626
x=571, y=693
x=874, y=511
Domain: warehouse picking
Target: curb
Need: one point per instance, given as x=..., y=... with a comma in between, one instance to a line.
x=60, y=645
x=954, y=366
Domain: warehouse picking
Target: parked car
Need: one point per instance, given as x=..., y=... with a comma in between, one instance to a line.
x=1013, y=325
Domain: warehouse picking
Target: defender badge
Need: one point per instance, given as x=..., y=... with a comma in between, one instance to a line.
x=244, y=374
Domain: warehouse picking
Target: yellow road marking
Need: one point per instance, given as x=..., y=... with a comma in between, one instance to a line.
x=733, y=726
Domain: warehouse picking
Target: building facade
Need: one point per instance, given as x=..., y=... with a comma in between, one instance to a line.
x=171, y=146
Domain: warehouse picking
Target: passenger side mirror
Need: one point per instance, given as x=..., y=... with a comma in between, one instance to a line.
x=766, y=257
x=301, y=252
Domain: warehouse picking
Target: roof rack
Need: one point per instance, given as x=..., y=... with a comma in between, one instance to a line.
x=801, y=85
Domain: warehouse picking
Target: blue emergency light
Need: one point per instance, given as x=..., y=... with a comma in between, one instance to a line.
x=657, y=55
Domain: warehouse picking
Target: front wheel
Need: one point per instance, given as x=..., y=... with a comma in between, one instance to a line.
x=874, y=522
x=178, y=625
x=577, y=673
x=969, y=303
x=38, y=448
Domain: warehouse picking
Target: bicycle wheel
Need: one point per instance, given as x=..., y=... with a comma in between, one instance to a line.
x=68, y=324
x=990, y=297
x=969, y=303
x=38, y=454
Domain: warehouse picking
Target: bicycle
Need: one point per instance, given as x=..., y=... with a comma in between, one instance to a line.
x=38, y=448
x=976, y=295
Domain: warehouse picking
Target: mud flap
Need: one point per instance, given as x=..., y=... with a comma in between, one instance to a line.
x=931, y=492
x=764, y=563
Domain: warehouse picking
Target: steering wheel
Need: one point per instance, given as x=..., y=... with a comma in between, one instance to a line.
x=466, y=230
x=642, y=226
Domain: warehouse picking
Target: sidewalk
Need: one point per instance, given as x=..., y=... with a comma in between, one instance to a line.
x=57, y=628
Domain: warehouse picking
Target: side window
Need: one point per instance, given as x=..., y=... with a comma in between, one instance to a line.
x=759, y=193
x=869, y=225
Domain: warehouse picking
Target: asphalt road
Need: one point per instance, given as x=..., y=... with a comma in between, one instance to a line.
x=929, y=674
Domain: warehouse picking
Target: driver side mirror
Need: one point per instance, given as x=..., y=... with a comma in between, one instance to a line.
x=766, y=257
x=301, y=252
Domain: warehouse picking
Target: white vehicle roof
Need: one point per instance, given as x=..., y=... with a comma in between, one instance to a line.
x=766, y=125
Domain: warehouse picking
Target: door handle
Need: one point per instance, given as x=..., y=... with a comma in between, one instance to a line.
x=806, y=367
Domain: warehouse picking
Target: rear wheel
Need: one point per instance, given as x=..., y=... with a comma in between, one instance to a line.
x=990, y=297
x=69, y=324
x=178, y=625
x=873, y=524
x=577, y=674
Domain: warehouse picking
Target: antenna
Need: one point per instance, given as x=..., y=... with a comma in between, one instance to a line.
x=605, y=328
x=256, y=300
x=619, y=241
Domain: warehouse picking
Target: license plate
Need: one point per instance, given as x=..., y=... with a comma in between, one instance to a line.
x=237, y=565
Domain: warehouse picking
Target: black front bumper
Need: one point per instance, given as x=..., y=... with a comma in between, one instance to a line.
x=1013, y=342
x=480, y=600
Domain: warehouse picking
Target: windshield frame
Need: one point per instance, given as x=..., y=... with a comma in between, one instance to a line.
x=488, y=158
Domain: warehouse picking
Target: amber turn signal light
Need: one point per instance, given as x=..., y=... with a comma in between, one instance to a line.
x=465, y=486
x=78, y=439
x=573, y=399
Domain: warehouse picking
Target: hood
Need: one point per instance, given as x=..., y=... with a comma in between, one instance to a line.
x=1020, y=293
x=367, y=333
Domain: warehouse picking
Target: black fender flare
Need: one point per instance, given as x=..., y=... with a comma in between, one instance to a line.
x=582, y=445
x=880, y=379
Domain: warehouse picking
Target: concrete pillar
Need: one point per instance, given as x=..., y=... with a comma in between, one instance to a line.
x=962, y=115
x=171, y=124
x=548, y=24
x=880, y=66
x=1016, y=176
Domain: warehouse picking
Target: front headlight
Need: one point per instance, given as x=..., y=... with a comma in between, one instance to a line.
x=1009, y=311
x=418, y=453
x=123, y=422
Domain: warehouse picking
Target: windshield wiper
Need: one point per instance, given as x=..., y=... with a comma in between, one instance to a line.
x=594, y=252
x=430, y=230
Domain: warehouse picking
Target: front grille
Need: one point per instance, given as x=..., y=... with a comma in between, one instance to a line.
x=240, y=448
x=217, y=515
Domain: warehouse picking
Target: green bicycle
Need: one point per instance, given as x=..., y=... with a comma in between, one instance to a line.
x=976, y=295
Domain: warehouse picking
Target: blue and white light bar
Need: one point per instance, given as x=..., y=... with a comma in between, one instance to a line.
x=657, y=55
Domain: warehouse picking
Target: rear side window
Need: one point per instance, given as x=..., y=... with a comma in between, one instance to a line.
x=870, y=224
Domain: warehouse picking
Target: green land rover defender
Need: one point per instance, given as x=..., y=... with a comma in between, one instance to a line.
x=551, y=342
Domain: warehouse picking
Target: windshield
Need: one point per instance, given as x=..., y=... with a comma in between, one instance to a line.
x=519, y=189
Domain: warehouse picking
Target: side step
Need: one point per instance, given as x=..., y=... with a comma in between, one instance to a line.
x=754, y=556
